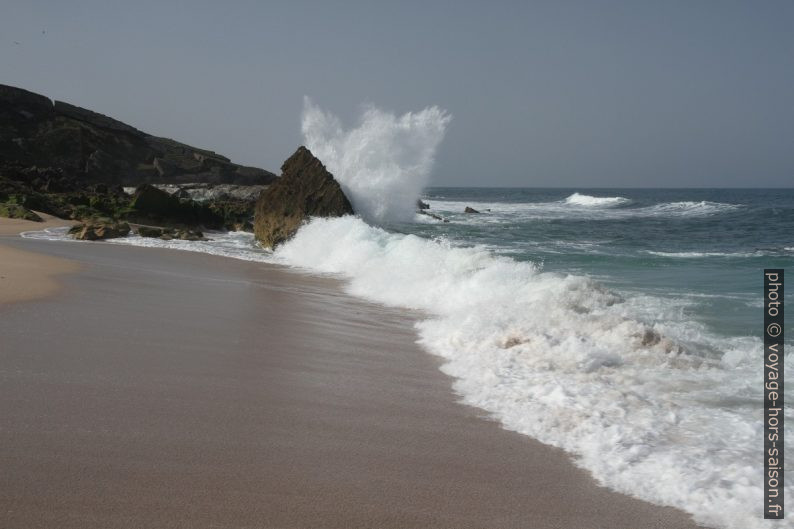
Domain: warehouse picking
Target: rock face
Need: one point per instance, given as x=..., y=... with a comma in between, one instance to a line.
x=95, y=230
x=305, y=189
x=213, y=192
x=90, y=147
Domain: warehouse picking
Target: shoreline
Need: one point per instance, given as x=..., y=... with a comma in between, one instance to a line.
x=224, y=393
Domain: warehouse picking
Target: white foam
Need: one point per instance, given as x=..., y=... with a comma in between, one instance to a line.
x=578, y=199
x=496, y=212
x=561, y=359
x=698, y=255
x=691, y=208
x=383, y=163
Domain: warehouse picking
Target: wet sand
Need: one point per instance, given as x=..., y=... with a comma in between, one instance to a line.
x=28, y=275
x=173, y=389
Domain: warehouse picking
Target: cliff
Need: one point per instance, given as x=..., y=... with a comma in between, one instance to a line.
x=88, y=147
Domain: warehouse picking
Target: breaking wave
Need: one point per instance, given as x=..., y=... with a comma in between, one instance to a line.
x=647, y=400
x=578, y=199
x=383, y=163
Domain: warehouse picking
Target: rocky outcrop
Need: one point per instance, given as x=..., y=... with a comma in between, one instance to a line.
x=152, y=205
x=100, y=229
x=213, y=192
x=305, y=189
x=90, y=147
x=168, y=234
x=421, y=205
x=470, y=210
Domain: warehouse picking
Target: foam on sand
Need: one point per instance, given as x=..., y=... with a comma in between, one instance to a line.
x=651, y=402
x=647, y=400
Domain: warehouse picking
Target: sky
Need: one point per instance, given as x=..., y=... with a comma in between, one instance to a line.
x=557, y=93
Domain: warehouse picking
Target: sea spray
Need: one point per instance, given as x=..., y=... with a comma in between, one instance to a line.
x=383, y=163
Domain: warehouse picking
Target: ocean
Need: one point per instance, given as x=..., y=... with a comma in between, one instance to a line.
x=622, y=325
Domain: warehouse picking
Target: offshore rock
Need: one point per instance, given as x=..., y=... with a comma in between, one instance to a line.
x=305, y=189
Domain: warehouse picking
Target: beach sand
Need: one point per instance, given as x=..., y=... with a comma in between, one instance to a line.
x=182, y=390
x=27, y=275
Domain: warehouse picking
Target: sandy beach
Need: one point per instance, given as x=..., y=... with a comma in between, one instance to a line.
x=26, y=275
x=161, y=388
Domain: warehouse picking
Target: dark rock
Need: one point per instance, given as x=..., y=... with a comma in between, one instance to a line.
x=148, y=231
x=470, y=210
x=422, y=205
x=91, y=147
x=150, y=200
x=100, y=229
x=189, y=235
x=152, y=205
x=93, y=118
x=437, y=217
x=305, y=189
x=168, y=234
x=24, y=101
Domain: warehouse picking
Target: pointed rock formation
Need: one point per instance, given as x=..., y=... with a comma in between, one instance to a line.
x=305, y=189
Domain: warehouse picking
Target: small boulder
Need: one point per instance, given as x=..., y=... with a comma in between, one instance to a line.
x=305, y=189
x=99, y=229
x=470, y=210
x=189, y=235
x=432, y=215
x=148, y=231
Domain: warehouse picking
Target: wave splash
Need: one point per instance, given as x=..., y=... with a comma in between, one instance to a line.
x=578, y=199
x=383, y=163
x=647, y=400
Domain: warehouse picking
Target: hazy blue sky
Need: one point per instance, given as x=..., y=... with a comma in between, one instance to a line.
x=558, y=93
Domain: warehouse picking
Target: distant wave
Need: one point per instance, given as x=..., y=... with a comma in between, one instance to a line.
x=578, y=199
x=576, y=206
x=689, y=208
x=696, y=255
